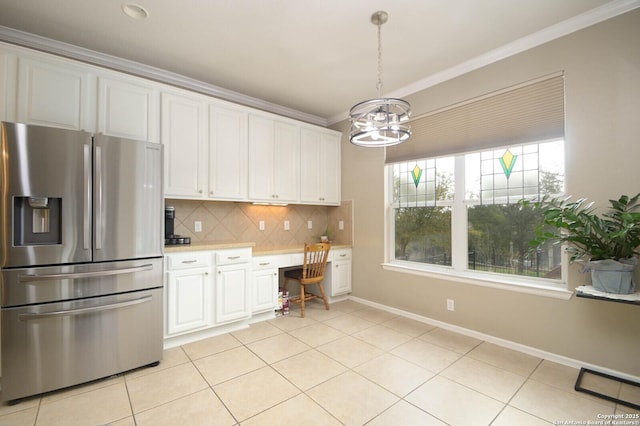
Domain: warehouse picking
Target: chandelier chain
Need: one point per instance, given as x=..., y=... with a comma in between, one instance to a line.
x=379, y=83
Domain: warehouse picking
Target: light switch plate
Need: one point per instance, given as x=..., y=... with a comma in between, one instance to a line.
x=341, y=225
x=197, y=226
x=261, y=225
x=287, y=225
x=309, y=224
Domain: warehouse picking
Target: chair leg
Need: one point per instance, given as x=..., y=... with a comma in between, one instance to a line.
x=286, y=281
x=326, y=304
x=302, y=299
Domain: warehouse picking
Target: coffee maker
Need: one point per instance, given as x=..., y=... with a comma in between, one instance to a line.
x=170, y=238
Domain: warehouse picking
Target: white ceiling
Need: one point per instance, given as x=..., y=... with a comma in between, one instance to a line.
x=313, y=56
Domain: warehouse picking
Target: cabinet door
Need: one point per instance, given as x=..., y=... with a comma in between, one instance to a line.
x=319, y=168
x=265, y=290
x=54, y=94
x=184, y=135
x=128, y=110
x=340, y=277
x=261, y=158
x=232, y=295
x=286, y=172
x=227, y=153
x=189, y=297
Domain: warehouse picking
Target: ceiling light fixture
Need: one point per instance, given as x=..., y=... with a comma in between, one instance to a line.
x=135, y=11
x=383, y=121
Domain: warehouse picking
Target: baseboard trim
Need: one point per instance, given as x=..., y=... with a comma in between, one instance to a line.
x=529, y=350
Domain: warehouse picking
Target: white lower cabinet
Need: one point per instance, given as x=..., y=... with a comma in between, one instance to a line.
x=264, y=296
x=189, y=301
x=340, y=272
x=232, y=293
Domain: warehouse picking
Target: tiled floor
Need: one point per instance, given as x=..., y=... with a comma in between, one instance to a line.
x=351, y=365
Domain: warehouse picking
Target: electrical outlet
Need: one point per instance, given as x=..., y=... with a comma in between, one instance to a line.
x=261, y=225
x=287, y=225
x=341, y=225
x=197, y=226
x=450, y=305
x=309, y=224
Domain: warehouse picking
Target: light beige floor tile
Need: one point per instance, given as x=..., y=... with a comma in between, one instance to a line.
x=257, y=331
x=408, y=326
x=291, y=322
x=24, y=404
x=96, y=407
x=507, y=359
x=278, y=347
x=309, y=369
x=352, y=399
x=454, y=404
x=348, y=306
x=321, y=314
x=404, y=413
x=170, y=358
x=166, y=385
x=252, y=393
x=382, y=337
x=210, y=346
x=564, y=378
x=316, y=334
x=394, y=374
x=349, y=323
x=487, y=379
x=228, y=365
x=200, y=408
x=79, y=389
x=511, y=416
x=553, y=404
x=296, y=411
x=374, y=315
x=26, y=417
x=129, y=421
x=433, y=358
x=450, y=340
x=630, y=393
x=350, y=351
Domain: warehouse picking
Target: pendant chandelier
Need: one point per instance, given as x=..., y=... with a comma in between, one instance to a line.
x=380, y=122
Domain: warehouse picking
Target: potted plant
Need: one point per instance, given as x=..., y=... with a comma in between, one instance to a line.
x=325, y=237
x=608, y=242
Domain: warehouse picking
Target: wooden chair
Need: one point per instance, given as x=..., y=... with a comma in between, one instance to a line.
x=312, y=272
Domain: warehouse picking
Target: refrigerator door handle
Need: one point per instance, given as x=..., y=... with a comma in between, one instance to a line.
x=80, y=311
x=87, y=198
x=75, y=275
x=98, y=213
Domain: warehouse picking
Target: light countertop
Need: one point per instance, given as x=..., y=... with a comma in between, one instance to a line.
x=257, y=250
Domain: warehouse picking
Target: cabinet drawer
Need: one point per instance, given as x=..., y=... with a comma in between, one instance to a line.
x=341, y=254
x=230, y=257
x=265, y=262
x=188, y=260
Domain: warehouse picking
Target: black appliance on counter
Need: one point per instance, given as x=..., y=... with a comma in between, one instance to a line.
x=171, y=239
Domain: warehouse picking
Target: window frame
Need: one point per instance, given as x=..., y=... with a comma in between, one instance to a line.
x=459, y=271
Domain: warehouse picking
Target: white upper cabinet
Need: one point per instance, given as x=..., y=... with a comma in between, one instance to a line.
x=274, y=160
x=319, y=167
x=128, y=108
x=54, y=93
x=184, y=136
x=227, y=153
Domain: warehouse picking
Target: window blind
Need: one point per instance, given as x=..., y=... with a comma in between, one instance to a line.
x=531, y=111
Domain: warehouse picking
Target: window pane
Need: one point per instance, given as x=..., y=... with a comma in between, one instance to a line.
x=423, y=234
x=499, y=238
x=423, y=182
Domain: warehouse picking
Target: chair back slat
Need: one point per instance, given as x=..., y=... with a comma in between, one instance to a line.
x=315, y=260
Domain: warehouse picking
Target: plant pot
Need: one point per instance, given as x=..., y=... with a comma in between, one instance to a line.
x=612, y=276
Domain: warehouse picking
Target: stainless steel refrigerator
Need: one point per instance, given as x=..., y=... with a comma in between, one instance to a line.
x=81, y=241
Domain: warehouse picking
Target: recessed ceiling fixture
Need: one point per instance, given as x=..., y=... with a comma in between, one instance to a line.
x=135, y=11
x=382, y=121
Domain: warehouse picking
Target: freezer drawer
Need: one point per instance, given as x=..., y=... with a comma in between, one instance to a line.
x=55, y=345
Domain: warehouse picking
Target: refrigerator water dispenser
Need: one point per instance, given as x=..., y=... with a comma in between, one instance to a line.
x=37, y=221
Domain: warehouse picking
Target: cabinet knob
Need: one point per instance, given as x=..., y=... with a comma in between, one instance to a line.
x=199, y=191
x=206, y=273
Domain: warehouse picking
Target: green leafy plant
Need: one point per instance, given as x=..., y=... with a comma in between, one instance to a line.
x=615, y=234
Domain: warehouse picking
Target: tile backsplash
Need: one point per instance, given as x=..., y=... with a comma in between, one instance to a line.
x=231, y=221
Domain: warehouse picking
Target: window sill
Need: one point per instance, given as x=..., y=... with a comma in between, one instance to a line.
x=515, y=284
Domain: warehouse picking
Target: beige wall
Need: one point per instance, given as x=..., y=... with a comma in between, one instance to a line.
x=602, y=77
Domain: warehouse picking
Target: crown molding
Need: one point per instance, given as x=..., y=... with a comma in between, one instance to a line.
x=33, y=41
x=571, y=25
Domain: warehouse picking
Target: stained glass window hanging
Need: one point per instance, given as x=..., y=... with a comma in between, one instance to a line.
x=423, y=183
